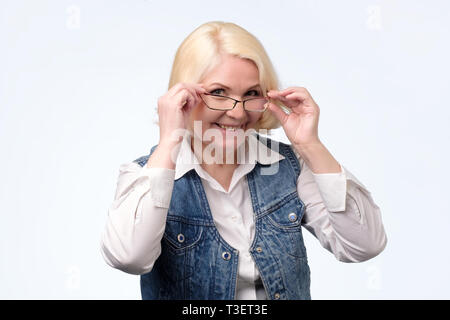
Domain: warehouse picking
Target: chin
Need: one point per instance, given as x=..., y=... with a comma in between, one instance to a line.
x=229, y=143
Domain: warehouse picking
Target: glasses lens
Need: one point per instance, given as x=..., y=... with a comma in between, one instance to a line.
x=218, y=103
x=256, y=104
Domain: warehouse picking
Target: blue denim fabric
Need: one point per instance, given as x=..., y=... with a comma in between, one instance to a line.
x=196, y=263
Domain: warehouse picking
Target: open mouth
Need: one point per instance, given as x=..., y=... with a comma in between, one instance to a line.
x=225, y=127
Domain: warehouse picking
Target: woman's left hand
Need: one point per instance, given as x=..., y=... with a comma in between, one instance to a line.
x=301, y=125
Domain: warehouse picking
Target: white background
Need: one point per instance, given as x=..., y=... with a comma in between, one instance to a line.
x=79, y=82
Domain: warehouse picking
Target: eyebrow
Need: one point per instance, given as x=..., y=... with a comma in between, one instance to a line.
x=256, y=85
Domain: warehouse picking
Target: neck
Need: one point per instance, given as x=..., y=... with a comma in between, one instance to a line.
x=211, y=160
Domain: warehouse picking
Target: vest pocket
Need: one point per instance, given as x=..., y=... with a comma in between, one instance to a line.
x=180, y=234
x=176, y=261
x=288, y=214
x=284, y=224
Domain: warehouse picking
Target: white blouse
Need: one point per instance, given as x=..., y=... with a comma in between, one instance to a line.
x=339, y=212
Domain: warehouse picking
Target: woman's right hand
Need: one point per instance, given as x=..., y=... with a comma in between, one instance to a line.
x=174, y=108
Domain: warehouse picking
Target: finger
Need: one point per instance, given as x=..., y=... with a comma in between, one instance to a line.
x=183, y=98
x=297, y=95
x=278, y=113
x=200, y=90
x=284, y=100
x=187, y=100
x=282, y=92
x=195, y=99
x=181, y=86
x=196, y=91
x=279, y=97
x=174, y=90
x=200, y=87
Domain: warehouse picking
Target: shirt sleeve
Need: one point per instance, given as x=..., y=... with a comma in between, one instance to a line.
x=131, y=240
x=341, y=213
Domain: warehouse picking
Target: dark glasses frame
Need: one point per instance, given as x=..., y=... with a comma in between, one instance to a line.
x=235, y=102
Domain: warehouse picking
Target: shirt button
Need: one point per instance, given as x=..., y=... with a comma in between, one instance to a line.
x=234, y=218
x=259, y=249
x=276, y=296
x=292, y=217
x=226, y=255
x=180, y=238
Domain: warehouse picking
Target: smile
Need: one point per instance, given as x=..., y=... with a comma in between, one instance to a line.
x=232, y=128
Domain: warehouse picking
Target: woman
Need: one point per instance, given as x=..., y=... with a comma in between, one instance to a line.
x=198, y=220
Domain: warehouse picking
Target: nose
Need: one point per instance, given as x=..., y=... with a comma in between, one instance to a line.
x=238, y=112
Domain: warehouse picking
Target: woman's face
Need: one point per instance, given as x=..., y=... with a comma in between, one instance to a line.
x=236, y=78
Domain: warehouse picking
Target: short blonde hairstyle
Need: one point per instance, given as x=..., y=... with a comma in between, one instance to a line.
x=201, y=52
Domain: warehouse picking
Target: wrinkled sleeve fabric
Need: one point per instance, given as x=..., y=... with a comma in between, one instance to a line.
x=341, y=213
x=131, y=240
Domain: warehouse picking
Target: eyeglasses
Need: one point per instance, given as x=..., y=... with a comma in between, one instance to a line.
x=223, y=103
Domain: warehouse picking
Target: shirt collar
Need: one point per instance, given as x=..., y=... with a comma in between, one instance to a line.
x=187, y=160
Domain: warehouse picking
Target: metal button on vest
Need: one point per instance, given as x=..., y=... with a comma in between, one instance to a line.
x=276, y=296
x=292, y=217
x=259, y=249
x=180, y=238
x=226, y=255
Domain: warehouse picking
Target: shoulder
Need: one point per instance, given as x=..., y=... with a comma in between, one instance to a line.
x=274, y=144
x=142, y=160
x=284, y=149
x=297, y=155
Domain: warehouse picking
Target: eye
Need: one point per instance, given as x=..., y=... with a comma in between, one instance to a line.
x=257, y=93
x=215, y=91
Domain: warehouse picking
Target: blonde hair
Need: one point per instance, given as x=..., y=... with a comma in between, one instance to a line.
x=201, y=52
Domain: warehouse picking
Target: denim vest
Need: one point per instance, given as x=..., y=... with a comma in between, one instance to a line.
x=196, y=262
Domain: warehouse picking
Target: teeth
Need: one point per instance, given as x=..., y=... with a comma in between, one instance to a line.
x=227, y=127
